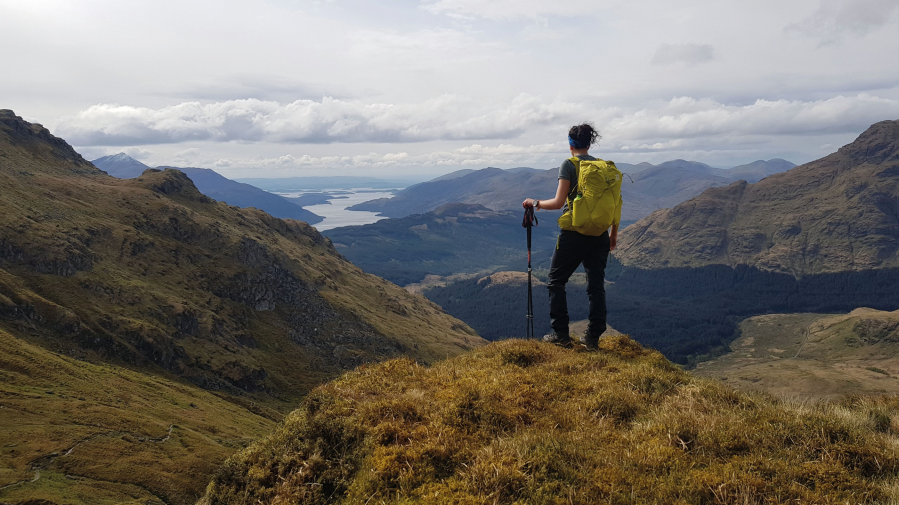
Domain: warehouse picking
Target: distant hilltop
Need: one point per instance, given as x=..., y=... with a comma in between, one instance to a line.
x=216, y=186
x=838, y=213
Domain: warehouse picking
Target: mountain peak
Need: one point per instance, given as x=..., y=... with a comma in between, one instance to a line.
x=120, y=157
x=120, y=165
x=51, y=154
x=878, y=144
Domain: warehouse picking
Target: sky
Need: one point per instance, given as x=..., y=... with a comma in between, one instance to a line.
x=414, y=89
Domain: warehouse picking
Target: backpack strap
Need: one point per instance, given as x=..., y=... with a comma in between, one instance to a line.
x=572, y=189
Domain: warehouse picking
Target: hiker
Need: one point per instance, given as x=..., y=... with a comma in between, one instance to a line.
x=584, y=238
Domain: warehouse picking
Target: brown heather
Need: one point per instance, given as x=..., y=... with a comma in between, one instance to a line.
x=526, y=422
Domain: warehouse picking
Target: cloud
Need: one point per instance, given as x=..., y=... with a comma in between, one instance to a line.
x=473, y=155
x=685, y=117
x=689, y=54
x=837, y=19
x=422, y=48
x=138, y=153
x=665, y=128
x=447, y=117
x=513, y=9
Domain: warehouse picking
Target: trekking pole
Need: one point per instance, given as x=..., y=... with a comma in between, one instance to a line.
x=529, y=221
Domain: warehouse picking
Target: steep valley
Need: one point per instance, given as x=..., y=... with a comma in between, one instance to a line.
x=174, y=296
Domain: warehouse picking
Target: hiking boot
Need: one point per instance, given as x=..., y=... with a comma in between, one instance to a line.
x=556, y=339
x=590, y=340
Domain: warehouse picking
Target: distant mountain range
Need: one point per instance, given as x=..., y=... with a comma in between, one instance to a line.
x=215, y=186
x=839, y=213
x=653, y=187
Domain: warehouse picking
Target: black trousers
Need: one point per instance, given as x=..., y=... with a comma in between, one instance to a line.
x=573, y=249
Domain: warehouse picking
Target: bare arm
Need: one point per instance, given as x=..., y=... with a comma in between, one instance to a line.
x=613, y=238
x=555, y=203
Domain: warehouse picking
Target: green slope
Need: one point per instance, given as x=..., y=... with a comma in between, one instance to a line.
x=73, y=432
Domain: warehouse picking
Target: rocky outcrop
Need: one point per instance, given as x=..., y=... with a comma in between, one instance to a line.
x=41, y=146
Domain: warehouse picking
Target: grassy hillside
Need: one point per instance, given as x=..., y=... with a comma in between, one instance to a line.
x=813, y=355
x=74, y=432
x=525, y=422
x=150, y=275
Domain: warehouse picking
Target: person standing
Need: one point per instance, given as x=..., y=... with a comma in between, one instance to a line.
x=590, y=192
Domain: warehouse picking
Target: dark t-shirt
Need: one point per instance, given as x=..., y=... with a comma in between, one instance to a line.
x=568, y=172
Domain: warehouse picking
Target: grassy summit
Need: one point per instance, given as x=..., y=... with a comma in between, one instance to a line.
x=525, y=422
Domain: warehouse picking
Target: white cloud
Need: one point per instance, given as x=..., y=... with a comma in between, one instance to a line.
x=473, y=155
x=512, y=9
x=680, y=127
x=835, y=20
x=138, y=153
x=690, y=118
x=422, y=48
x=689, y=54
x=447, y=117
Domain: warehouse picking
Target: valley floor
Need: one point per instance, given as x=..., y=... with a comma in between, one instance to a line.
x=813, y=355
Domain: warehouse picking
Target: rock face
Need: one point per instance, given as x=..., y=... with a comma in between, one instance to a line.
x=150, y=273
x=839, y=213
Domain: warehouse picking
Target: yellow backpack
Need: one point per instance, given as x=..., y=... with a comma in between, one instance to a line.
x=597, y=204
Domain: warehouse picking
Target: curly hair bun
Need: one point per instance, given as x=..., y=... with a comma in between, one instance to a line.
x=584, y=134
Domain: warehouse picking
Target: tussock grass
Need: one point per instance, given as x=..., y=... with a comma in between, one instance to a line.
x=525, y=422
